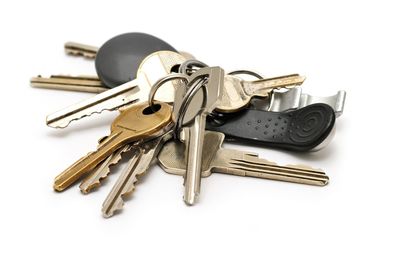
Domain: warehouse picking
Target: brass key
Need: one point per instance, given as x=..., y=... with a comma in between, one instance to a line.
x=133, y=124
x=237, y=92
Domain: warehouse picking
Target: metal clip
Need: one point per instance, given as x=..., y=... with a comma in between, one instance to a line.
x=294, y=98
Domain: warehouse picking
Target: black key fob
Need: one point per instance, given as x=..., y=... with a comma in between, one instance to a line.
x=298, y=130
x=118, y=59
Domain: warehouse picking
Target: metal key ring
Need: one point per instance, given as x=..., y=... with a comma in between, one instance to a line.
x=162, y=81
x=188, y=97
x=247, y=72
x=189, y=64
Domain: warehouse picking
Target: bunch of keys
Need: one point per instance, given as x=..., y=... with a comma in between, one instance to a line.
x=176, y=111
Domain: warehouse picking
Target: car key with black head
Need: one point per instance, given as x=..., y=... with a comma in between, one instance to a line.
x=302, y=130
x=116, y=62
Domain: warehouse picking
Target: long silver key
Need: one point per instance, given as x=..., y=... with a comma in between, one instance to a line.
x=154, y=67
x=193, y=119
x=145, y=155
x=216, y=159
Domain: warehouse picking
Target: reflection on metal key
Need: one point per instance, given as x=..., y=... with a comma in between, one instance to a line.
x=294, y=98
x=154, y=67
x=216, y=159
x=205, y=85
x=137, y=166
x=130, y=126
x=237, y=92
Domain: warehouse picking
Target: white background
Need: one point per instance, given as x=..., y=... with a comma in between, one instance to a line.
x=350, y=45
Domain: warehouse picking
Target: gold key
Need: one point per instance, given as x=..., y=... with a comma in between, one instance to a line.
x=237, y=92
x=133, y=124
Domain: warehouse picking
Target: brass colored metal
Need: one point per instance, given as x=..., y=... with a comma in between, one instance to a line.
x=216, y=159
x=237, y=92
x=78, y=49
x=90, y=84
x=130, y=126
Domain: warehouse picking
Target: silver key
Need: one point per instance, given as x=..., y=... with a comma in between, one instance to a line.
x=154, y=67
x=94, y=179
x=193, y=119
x=216, y=159
x=137, y=166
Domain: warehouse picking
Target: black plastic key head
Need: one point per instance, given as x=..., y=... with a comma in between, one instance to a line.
x=118, y=60
x=297, y=130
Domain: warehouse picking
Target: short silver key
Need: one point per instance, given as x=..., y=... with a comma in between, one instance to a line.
x=193, y=120
x=154, y=67
x=145, y=155
x=94, y=179
x=216, y=159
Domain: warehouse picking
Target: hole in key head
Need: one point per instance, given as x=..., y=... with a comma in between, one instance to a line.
x=175, y=68
x=151, y=110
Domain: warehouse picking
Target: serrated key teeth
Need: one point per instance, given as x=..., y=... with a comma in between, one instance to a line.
x=107, y=212
x=56, y=125
x=87, y=189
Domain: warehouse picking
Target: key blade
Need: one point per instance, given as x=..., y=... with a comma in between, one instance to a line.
x=234, y=162
x=196, y=128
x=78, y=49
x=94, y=180
x=130, y=126
x=263, y=87
x=89, y=84
x=252, y=165
x=111, y=99
x=88, y=162
x=136, y=168
x=152, y=68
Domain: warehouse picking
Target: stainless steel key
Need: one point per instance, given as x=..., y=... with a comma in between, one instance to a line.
x=137, y=166
x=216, y=159
x=154, y=67
x=192, y=115
x=94, y=179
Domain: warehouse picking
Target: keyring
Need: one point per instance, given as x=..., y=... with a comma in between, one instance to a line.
x=248, y=72
x=189, y=64
x=161, y=82
x=188, y=97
